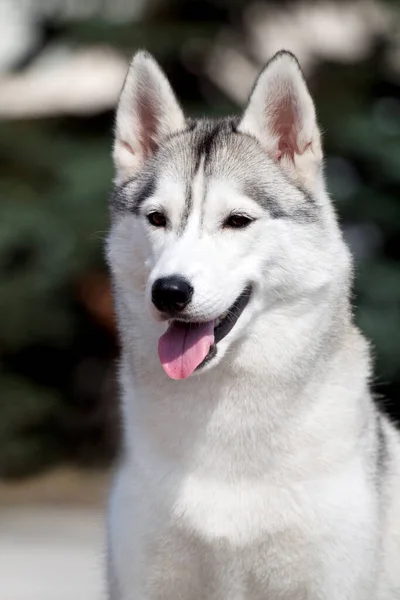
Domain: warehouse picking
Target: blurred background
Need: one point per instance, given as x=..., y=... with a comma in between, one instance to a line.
x=62, y=64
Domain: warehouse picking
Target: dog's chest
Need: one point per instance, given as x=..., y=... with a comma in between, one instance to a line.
x=240, y=513
x=250, y=510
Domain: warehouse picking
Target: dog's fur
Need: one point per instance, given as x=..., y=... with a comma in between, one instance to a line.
x=268, y=474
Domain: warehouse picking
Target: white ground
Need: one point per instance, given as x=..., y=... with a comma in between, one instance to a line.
x=51, y=550
x=49, y=553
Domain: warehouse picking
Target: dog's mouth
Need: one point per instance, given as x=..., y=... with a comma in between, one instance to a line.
x=187, y=346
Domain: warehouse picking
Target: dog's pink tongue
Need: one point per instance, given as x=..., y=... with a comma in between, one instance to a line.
x=183, y=347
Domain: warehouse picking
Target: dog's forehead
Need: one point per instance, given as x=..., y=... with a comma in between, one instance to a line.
x=216, y=151
x=217, y=147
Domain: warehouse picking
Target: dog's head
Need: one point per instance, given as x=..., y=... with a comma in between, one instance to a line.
x=216, y=221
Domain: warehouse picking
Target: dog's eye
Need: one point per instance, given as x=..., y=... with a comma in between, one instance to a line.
x=157, y=219
x=237, y=221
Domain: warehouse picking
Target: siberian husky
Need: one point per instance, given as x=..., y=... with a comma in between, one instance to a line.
x=255, y=464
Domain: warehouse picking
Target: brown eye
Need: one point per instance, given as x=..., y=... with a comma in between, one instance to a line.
x=237, y=221
x=157, y=219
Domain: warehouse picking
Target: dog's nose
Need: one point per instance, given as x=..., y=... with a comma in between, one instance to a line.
x=171, y=294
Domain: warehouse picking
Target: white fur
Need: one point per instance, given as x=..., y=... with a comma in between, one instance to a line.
x=256, y=478
x=148, y=112
x=281, y=90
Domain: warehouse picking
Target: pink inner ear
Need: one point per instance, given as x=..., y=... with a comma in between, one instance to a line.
x=147, y=109
x=128, y=147
x=284, y=121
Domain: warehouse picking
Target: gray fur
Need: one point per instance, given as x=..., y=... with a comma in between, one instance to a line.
x=382, y=454
x=225, y=150
x=264, y=472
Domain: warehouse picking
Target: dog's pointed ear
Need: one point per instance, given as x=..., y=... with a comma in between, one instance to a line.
x=147, y=113
x=281, y=115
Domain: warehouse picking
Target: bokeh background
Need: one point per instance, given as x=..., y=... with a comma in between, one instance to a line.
x=62, y=64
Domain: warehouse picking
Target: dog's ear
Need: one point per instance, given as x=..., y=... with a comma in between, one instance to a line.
x=147, y=113
x=281, y=115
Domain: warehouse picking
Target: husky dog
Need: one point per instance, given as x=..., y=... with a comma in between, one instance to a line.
x=255, y=465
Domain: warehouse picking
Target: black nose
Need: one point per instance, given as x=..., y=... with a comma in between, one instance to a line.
x=171, y=294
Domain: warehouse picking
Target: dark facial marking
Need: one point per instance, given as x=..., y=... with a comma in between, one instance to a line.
x=119, y=198
x=212, y=133
x=259, y=195
x=206, y=137
x=129, y=197
x=206, y=143
x=125, y=197
x=203, y=144
x=305, y=212
x=187, y=207
x=145, y=191
x=191, y=126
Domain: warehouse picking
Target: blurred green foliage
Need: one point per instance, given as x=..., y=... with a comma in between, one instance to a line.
x=57, y=379
x=54, y=181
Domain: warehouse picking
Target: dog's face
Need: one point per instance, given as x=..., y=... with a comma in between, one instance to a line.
x=214, y=222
